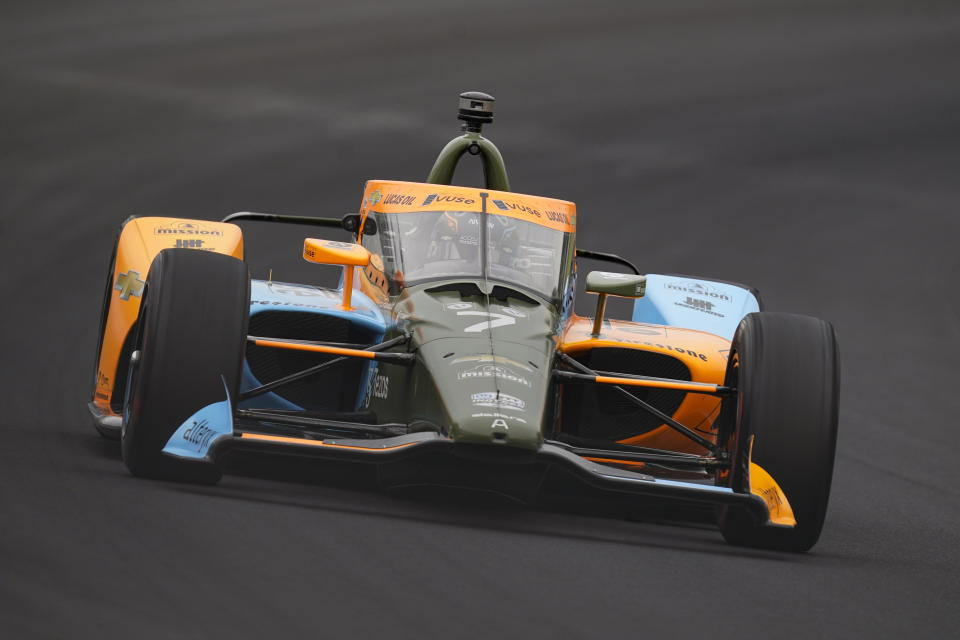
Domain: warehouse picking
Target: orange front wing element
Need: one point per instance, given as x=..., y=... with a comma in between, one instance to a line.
x=762, y=484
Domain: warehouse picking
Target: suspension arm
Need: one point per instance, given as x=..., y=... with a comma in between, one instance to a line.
x=669, y=421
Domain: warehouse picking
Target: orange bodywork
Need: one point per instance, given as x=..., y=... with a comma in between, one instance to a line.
x=389, y=196
x=334, y=252
x=762, y=484
x=703, y=353
x=140, y=241
x=348, y=254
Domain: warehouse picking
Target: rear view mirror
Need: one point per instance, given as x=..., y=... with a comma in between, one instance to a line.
x=348, y=254
x=351, y=223
x=334, y=252
x=624, y=285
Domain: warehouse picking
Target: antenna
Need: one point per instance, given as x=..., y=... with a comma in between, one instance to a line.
x=476, y=110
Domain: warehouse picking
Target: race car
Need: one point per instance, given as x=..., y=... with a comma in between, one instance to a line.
x=450, y=354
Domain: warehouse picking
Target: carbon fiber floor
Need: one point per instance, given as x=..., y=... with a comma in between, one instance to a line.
x=808, y=148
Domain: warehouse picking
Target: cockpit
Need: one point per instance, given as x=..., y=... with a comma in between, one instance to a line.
x=421, y=246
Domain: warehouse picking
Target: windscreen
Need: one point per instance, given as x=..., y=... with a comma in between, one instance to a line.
x=431, y=245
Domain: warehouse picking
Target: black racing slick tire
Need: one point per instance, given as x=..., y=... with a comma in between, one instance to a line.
x=192, y=331
x=786, y=369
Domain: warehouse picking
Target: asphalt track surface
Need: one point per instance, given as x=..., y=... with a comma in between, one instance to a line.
x=811, y=149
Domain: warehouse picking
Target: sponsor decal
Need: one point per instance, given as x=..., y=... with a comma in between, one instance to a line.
x=199, y=434
x=102, y=380
x=188, y=243
x=666, y=347
x=488, y=358
x=501, y=416
x=374, y=198
x=507, y=205
x=284, y=303
x=698, y=304
x=462, y=306
x=336, y=244
x=627, y=328
x=129, y=284
x=495, y=320
x=381, y=386
x=308, y=292
x=492, y=371
x=368, y=392
x=399, y=198
x=772, y=497
x=698, y=289
x=188, y=229
x=439, y=198
x=378, y=386
x=498, y=400
x=559, y=218
x=680, y=350
x=516, y=313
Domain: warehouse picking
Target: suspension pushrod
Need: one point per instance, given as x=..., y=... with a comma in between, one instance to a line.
x=640, y=381
x=669, y=421
x=306, y=373
x=687, y=461
x=295, y=345
x=720, y=389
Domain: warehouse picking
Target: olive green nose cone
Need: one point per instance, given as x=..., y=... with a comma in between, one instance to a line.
x=488, y=398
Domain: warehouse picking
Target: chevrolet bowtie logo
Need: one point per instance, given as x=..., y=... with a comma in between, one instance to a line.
x=129, y=284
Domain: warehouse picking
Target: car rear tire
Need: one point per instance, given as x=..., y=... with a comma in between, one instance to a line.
x=192, y=330
x=786, y=369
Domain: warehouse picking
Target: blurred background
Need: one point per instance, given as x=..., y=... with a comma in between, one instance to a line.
x=808, y=148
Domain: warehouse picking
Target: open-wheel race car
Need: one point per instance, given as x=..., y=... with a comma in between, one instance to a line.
x=451, y=354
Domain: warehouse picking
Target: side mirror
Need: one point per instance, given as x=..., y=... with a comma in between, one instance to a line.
x=623, y=285
x=348, y=254
x=351, y=223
